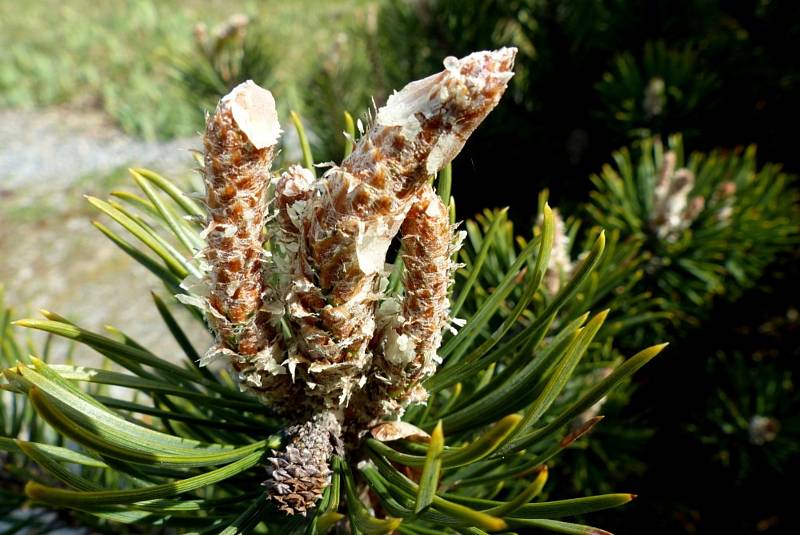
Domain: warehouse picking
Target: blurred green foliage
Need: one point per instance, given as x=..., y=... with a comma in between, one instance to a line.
x=591, y=77
x=122, y=55
x=712, y=223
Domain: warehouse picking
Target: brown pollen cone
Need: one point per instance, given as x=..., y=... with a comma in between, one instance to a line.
x=427, y=247
x=239, y=143
x=365, y=201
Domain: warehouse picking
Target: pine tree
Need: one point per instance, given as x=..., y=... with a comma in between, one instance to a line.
x=188, y=451
x=712, y=224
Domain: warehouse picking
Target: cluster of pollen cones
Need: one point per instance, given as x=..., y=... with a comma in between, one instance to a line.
x=296, y=271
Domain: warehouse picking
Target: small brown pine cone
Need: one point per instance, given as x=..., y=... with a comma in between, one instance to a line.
x=299, y=474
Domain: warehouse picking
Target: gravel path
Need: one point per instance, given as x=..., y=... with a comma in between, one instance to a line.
x=54, y=148
x=50, y=255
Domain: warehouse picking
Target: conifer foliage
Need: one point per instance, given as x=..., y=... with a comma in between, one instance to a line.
x=712, y=223
x=333, y=340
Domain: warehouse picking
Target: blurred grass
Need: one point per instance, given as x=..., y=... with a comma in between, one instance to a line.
x=119, y=55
